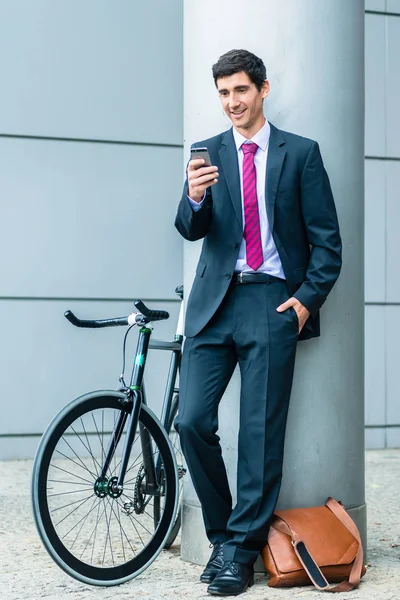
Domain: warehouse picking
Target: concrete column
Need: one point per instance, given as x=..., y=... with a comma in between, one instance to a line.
x=314, y=55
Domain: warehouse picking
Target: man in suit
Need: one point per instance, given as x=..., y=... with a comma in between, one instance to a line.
x=271, y=254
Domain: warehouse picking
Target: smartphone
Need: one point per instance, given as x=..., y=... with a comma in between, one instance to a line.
x=201, y=153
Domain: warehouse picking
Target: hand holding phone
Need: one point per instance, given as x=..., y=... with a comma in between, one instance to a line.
x=201, y=174
x=196, y=153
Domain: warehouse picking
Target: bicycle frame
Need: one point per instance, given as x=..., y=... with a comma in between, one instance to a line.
x=135, y=395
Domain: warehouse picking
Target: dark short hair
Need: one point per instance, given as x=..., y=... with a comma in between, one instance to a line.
x=236, y=61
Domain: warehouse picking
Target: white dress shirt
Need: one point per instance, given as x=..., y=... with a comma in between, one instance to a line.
x=272, y=263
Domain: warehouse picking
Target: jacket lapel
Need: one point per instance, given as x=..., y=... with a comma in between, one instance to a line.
x=275, y=159
x=229, y=161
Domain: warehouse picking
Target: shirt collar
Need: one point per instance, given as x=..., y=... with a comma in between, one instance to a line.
x=261, y=138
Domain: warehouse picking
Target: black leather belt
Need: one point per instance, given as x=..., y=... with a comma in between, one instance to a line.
x=255, y=278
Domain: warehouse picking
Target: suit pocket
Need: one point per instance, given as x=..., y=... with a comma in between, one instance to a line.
x=201, y=267
x=294, y=316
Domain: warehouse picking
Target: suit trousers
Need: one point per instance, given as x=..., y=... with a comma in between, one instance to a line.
x=246, y=329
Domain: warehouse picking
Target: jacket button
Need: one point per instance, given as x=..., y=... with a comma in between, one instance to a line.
x=228, y=275
x=236, y=245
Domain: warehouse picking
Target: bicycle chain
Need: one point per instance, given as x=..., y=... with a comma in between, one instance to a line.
x=139, y=503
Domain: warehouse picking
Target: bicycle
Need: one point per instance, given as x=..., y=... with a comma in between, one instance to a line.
x=106, y=486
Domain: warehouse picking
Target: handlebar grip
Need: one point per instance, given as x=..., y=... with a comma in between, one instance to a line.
x=94, y=323
x=152, y=315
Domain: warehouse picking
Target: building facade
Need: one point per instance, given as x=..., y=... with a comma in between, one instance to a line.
x=91, y=161
x=382, y=222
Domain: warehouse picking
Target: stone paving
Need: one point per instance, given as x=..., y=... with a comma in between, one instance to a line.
x=26, y=570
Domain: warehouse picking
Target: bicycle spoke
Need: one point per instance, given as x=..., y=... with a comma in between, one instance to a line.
x=133, y=479
x=141, y=453
x=108, y=537
x=98, y=435
x=133, y=523
x=76, y=524
x=88, y=442
x=94, y=539
x=73, y=510
x=69, y=504
x=112, y=473
x=115, y=468
x=84, y=445
x=135, y=463
x=148, y=514
x=94, y=531
x=139, y=523
x=82, y=465
x=122, y=530
x=69, y=473
x=63, y=493
x=70, y=482
x=77, y=535
x=131, y=491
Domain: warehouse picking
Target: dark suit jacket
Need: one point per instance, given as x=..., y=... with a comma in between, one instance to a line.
x=301, y=213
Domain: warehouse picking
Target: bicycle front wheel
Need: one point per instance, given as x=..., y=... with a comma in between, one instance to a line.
x=95, y=533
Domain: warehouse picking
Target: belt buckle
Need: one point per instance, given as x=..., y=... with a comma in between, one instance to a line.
x=241, y=277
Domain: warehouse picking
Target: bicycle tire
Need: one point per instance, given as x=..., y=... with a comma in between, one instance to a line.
x=174, y=438
x=68, y=441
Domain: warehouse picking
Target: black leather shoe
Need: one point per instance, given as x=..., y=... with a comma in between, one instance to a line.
x=214, y=564
x=233, y=579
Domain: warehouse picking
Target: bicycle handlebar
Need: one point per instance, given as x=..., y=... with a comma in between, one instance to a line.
x=94, y=323
x=152, y=315
x=145, y=315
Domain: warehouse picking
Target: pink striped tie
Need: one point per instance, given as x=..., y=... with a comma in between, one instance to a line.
x=252, y=233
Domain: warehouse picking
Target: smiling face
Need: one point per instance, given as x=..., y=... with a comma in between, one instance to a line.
x=243, y=102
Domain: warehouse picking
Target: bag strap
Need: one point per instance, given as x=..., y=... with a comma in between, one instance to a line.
x=309, y=564
x=341, y=514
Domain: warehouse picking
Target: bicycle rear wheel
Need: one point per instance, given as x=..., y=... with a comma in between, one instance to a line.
x=176, y=446
x=95, y=534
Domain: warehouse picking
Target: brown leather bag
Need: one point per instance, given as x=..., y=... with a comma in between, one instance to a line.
x=314, y=545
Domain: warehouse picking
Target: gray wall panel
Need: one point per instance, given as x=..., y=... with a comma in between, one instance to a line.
x=393, y=6
x=393, y=228
x=375, y=438
x=393, y=87
x=375, y=126
x=375, y=5
x=375, y=380
x=393, y=437
x=375, y=231
x=93, y=69
x=50, y=362
x=17, y=448
x=392, y=365
x=89, y=220
x=382, y=223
